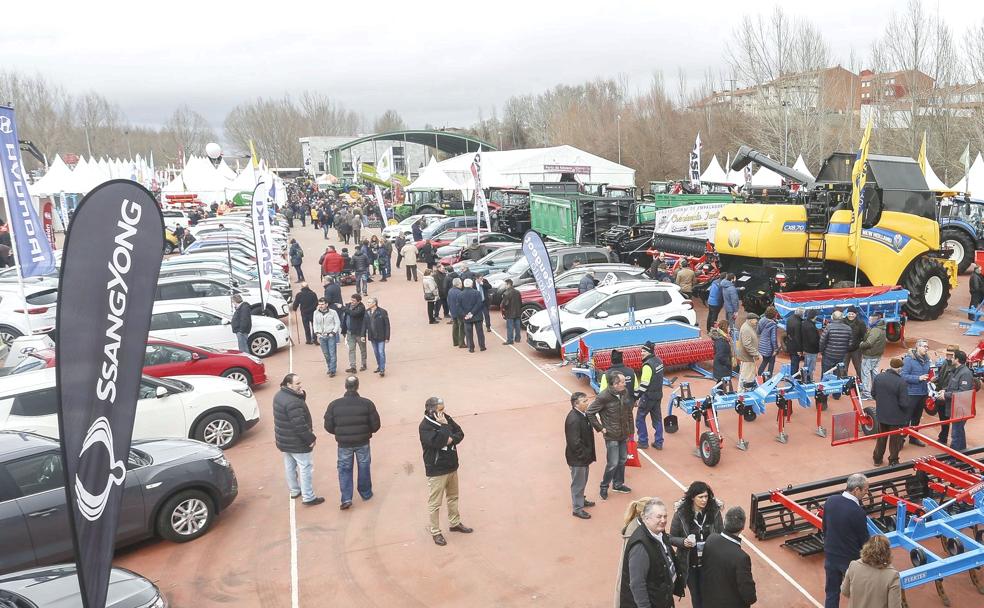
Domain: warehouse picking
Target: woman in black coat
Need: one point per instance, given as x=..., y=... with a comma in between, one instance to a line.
x=722, y=351
x=698, y=514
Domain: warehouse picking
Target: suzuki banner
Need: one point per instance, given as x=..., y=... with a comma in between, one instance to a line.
x=263, y=197
x=33, y=251
x=536, y=256
x=109, y=270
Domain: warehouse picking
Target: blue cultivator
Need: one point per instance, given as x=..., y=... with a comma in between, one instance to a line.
x=886, y=301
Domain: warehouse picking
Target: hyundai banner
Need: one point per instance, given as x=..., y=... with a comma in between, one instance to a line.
x=109, y=270
x=536, y=256
x=263, y=197
x=33, y=251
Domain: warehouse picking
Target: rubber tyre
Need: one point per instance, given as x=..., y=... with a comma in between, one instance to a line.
x=869, y=429
x=219, y=430
x=842, y=285
x=918, y=279
x=568, y=335
x=893, y=332
x=168, y=248
x=964, y=244
x=8, y=334
x=528, y=311
x=188, y=498
x=749, y=415
x=710, y=449
x=426, y=210
x=262, y=344
x=238, y=373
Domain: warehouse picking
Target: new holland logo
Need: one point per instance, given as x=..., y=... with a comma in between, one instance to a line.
x=734, y=238
x=898, y=240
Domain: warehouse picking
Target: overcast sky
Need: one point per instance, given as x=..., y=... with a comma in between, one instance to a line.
x=434, y=62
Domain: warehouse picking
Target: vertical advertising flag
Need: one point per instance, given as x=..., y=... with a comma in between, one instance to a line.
x=382, y=208
x=536, y=256
x=48, y=221
x=33, y=251
x=965, y=161
x=694, y=170
x=113, y=253
x=263, y=197
x=922, y=155
x=384, y=166
x=481, y=205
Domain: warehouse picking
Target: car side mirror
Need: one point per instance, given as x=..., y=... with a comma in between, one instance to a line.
x=161, y=392
x=601, y=314
x=226, y=322
x=195, y=356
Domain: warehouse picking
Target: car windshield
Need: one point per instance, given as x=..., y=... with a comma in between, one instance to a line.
x=461, y=241
x=585, y=302
x=519, y=266
x=173, y=384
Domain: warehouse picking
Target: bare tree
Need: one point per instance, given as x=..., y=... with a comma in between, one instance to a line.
x=390, y=121
x=187, y=132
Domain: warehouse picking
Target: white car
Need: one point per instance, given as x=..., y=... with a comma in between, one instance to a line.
x=41, y=303
x=175, y=217
x=405, y=227
x=201, y=326
x=207, y=408
x=609, y=306
x=215, y=293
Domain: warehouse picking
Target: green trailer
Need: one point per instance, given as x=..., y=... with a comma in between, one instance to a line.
x=561, y=213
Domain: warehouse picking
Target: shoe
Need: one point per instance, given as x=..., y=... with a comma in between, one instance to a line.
x=331, y=374
x=350, y=370
x=582, y=514
x=483, y=349
x=314, y=501
x=603, y=493
x=462, y=346
x=622, y=489
x=439, y=540
x=916, y=442
x=892, y=463
x=363, y=368
x=643, y=446
x=344, y=506
x=449, y=322
x=877, y=463
x=471, y=350
x=489, y=329
x=382, y=373
x=658, y=447
x=375, y=371
x=506, y=343
x=588, y=504
x=461, y=528
x=293, y=496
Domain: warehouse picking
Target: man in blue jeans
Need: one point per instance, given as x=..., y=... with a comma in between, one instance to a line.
x=512, y=307
x=377, y=333
x=352, y=419
x=295, y=438
x=650, y=396
x=327, y=328
x=611, y=413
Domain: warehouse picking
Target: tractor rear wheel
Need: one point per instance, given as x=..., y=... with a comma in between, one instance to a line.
x=962, y=246
x=929, y=289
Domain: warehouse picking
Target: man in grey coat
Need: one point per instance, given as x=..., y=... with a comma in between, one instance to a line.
x=834, y=343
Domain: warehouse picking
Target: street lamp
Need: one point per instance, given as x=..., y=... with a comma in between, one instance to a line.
x=214, y=153
x=618, y=129
x=128, y=150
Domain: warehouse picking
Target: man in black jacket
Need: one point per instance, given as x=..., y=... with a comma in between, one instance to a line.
x=611, y=414
x=360, y=264
x=652, y=572
x=377, y=333
x=512, y=311
x=242, y=323
x=794, y=339
x=725, y=569
x=470, y=304
x=845, y=531
x=355, y=318
x=307, y=301
x=976, y=288
x=352, y=419
x=295, y=437
x=891, y=411
x=440, y=277
x=810, y=341
x=859, y=330
x=580, y=451
x=439, y=438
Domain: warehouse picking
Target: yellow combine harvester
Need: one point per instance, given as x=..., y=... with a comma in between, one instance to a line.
x=813, y=238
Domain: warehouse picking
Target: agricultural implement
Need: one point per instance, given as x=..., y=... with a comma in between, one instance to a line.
x=782, y=390
x=887, y=301
x=939, y=497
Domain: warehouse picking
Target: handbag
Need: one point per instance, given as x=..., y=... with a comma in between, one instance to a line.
x=632, y=454
x=430, y=296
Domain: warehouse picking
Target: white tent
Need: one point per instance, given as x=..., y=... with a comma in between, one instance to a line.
x=801, y=166
x=201, y=178
x=55, y=180
x=735, y=177
x=976, y=176
x=934, y=182
x=517, y=168
x=766, y=177
x=714, y=173
x=433, y=178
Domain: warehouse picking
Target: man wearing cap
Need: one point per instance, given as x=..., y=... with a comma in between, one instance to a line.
x=915, y=372
x=872, y=348
x=650, y=395
x=746, y=351
x=891, y=411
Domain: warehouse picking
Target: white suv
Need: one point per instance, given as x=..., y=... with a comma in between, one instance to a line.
x=207, y=408
x=200, y=326
x=40, y=306
x=610, y=306
x=214, y=293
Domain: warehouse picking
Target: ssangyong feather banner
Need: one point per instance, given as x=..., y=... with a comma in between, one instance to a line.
x=109, y=269
x=536, y=256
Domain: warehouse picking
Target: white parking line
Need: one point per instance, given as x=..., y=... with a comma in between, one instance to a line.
x=682, y=487
x=294, y=599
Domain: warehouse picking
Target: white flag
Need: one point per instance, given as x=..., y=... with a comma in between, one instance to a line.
x=384, y=166
x=695, y=164
x=481, y=205
x=382, y=207
x=263, y=197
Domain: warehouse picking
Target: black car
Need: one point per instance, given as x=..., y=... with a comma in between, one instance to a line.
x=58, y=587
x=174, y=489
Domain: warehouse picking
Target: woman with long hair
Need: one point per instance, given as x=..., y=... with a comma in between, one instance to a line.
x=698, y=514
x=872, y=582
x=629, y=525
x=723, y=355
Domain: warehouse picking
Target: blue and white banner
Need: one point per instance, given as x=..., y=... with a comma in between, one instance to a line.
x=539, y=261
x=382, y=208
x=34, y=254
x=694, y=168
x=263, y=197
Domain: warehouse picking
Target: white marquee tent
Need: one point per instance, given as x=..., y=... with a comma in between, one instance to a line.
x=975, y=176
x=766, y=177
x=433, y=178
x=714, y=173
x=801, y=167
x=934, y=182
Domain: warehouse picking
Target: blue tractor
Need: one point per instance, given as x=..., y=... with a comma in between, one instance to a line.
x=961, y=228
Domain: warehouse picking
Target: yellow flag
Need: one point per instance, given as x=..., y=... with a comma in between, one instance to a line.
x=859, y=175
x=252, y=154
x=922, y=154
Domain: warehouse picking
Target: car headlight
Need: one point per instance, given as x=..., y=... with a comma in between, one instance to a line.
x=255, y=360
x=245, y=391
x=222, y=461
x=281, y=326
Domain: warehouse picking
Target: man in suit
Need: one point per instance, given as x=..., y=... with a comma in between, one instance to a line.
x=580, y=451
x=845, y=531
x=725, y=569
x=652, y=573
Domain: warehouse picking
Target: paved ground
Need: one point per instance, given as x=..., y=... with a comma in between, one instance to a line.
x=526, y=549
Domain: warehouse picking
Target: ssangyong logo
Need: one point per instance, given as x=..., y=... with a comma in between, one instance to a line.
x=5, y=125
x=91, y=506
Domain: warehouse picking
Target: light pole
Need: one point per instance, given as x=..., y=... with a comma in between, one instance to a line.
x=129, y=152
x=618, y=130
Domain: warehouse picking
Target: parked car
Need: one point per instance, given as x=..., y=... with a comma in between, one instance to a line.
x=39, y=302
x=567, y=284
x=214, y=410
x=174, y=489
x=405, y=227
x=213, y=292
x=496, y=261
x=58, y=587
x=240, y=279
x=445, y=238
x=163, y=358
x=562, y=258
x=174, y=217
x=464, y=221
x=221, y=259
x=610, y=306
x=205, y=327
x=455, y=247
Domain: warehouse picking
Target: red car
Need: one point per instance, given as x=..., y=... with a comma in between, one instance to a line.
x=445, y=238
x=567, y=285
x=165, y=358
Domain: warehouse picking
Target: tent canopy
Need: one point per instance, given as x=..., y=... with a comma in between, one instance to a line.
x=801, y=166
x=433, y=178
x=975, y=176
x=934, y=182
x=766, y=177
x=714, y=173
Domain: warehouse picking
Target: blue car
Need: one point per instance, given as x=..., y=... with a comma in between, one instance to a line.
x=496, y=261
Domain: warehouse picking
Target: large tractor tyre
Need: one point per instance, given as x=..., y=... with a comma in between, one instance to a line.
x=962, y=246
x=426, y=209
x=929, y=289
x=843, y=285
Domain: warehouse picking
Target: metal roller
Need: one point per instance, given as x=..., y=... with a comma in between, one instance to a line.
x=680, y=245
x=673, y=354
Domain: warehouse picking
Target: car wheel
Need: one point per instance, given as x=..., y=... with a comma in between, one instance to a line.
x=219, y=429
x=261, y=344
x=8, y=334
x=240, y=374
x=168, y=248
x=528, y=311
x=185, y=516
